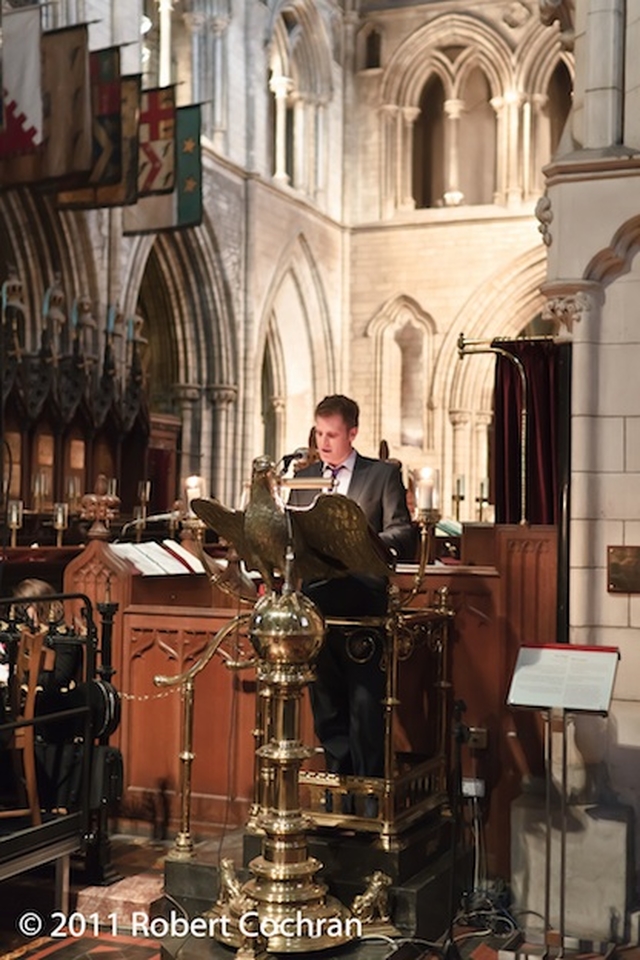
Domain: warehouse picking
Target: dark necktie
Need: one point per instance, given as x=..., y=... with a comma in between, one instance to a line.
x=333, y=473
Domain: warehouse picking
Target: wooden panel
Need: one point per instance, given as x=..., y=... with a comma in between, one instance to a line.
x=169, y=642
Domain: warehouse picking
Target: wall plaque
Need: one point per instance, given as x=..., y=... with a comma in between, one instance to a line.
x=623, y=569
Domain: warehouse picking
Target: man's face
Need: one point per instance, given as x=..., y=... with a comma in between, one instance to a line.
x=334, y=439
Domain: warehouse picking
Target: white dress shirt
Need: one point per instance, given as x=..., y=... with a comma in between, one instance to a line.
x=343, y=478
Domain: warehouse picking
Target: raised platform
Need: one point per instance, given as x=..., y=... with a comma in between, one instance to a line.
x=420, y=871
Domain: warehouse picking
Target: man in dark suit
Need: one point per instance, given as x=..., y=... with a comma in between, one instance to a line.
x=348, y=692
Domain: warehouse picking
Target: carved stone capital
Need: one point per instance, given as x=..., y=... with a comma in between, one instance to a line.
x=222, y=394
x=569, y=303
x=195, y=22
x=186, y=393
x=459, y=418
x=453, y=108
x=482, y=419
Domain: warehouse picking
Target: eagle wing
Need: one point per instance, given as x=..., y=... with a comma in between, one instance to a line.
x=333, y=538
x=228, y=524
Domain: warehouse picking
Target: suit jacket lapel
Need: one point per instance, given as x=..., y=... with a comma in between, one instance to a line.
x=358, y=478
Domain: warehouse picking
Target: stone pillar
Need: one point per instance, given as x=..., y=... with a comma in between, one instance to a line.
x=164, y=66
x=188, y=395
x=389, y=114
x=320, y=157
x=218, y=27
x=480, y=466
x=501, y=150
x=460, y=459
x=512, y=117
x=405, y=160
x=301, y=158
x=540, y=137
x=222, y=397
x=604, y=87
x=279, y=405
x=200, y=93
x=453, y=196
x=281, y=88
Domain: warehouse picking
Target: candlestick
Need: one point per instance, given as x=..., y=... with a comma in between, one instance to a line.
x=60, y=520
x=483, y=499
x=15, y=509
x=458, y=496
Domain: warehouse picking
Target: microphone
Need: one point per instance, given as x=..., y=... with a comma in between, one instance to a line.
x=298, y=454
x=150, y=519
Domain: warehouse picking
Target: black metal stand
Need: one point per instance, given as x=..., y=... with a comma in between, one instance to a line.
x=460, y=734
x=98, y=867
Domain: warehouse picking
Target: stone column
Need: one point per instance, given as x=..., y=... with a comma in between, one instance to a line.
x=301, y=158
x=501, y=150
x=453, y=196
x=405, y=160
x=514, y=187
x=541, y=139
x=222, y=397
x=480, y=466
x=195, y=23
x=389, y=114
x=604, y=87
x=188, y=395
x=164, y=67
x=460, y=460
x=218, y=27
x=279, y=405
x=281, y=88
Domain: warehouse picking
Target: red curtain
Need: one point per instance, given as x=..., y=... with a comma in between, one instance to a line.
x=547, y=368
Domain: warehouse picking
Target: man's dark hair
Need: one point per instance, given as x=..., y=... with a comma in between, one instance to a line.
x=345, y=407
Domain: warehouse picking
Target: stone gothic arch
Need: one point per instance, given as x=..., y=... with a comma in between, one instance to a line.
x=189, y=298
x=295, y=315
x=300, y=83
x=463, y=390
x=403, y=351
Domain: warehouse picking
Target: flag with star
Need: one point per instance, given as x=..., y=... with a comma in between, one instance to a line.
x=183, y=207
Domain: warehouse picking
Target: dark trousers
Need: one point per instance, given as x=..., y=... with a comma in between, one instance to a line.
x=347, y=696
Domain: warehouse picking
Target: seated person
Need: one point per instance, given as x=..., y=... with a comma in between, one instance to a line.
x=347, y=695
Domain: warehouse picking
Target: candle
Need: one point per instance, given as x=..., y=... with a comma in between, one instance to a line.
x=60, y=516
x=425, y=494
x=427, y=489
x=484, y=489
x=194, y=487
x=144, y=491
x=15, y=513
x=460, y=487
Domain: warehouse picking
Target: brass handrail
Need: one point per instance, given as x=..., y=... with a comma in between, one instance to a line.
x=183, y=847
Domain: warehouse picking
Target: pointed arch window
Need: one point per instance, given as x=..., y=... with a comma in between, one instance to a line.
x=477, y=141
x=428, y=146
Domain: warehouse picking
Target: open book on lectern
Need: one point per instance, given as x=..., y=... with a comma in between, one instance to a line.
x=565, y=677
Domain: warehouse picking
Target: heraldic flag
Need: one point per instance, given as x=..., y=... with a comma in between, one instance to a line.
x=182, y=207
x=116, y=106
x=66, y=150
x=21, y=82
x=156, y=132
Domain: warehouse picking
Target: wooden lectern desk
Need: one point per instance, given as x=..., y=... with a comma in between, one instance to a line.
x=162, y=626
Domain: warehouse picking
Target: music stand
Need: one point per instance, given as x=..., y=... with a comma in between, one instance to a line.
x=558, y=680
